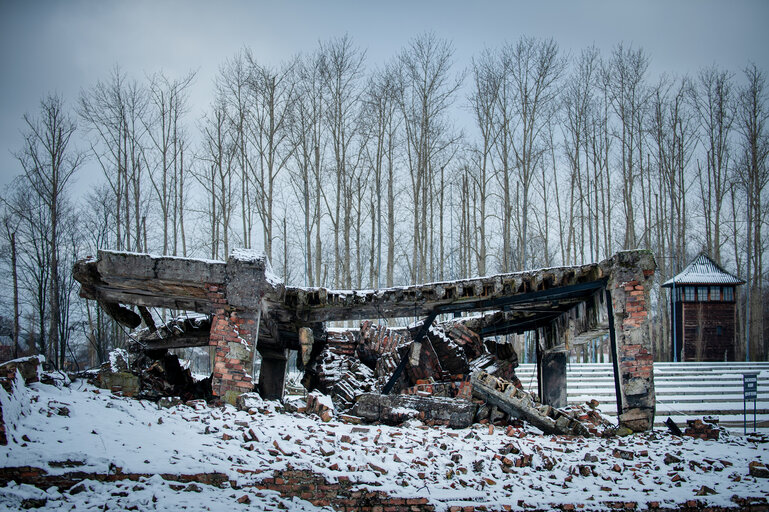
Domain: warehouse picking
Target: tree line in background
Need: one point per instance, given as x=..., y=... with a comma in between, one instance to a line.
x=413, y=171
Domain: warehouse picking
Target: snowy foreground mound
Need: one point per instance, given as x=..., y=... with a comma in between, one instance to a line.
x=78, y=431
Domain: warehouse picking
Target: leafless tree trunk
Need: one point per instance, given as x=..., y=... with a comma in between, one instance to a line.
x=342, y=72
x=273, y=92
x=49, y=162
x=674, y=137
x=235, y=80
x=483, y=100
x=427, y=91
x=113, y=113
x=381, y=111
x=11, y=226
x=579, y=105
x=625, y=84
x=532, y=69
x=712, y=99
x=752, y=119
x=215, y=174
x=167, y=103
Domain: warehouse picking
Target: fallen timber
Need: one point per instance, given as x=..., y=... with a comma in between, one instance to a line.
x=252, y=310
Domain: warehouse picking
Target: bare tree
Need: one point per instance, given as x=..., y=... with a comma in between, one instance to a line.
x=10, y=227
x=49, y=162
x=579, y=106
x=383, y=121
x=673, y=129
x=624, y=80
x=532, y=69
x=167, y=105
x=215, y=173
x=427, y=91
x=342, y=69
x=235, y=83
x=32, y=238
x=113, y=112
x=752, y=120
x=713, y=97
x=306, y=135
x=487, y=78
x=273, y=95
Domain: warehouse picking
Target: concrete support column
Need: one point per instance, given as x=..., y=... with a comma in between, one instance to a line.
x=272, y=374
x=628, y=287
x=552, y=374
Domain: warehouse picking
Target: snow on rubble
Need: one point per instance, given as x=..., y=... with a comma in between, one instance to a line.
x=81, y=428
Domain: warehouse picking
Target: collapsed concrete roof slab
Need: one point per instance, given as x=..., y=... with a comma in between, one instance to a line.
x=180, y=283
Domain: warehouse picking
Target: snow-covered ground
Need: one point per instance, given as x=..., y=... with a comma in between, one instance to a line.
x=80, y=428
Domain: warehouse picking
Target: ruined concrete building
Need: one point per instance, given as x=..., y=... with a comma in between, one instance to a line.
x=251, y=310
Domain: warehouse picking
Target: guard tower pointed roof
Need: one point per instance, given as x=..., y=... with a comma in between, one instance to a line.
x=703, y=271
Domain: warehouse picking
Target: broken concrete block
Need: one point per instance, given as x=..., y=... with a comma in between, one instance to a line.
x=394, y=409
x=758, y=470
x=636, y=419
x=519, y=404
x=636, y=386
x=248, y=401
x=436, y=355
x=468, y=340
x=167, y=402
x=125, y=383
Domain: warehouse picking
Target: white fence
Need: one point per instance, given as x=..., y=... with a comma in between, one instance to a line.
x=684, y=390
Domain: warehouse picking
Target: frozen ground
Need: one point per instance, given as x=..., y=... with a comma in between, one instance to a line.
x=63, y=429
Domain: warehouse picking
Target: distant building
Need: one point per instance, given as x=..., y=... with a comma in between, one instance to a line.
x=704, y=312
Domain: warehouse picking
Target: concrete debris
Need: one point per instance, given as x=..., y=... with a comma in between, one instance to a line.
x=395, y=409
x=356, y=364
x=519, y=404
x=758, y=469
x=183, y=331
x=377, y=341
x=437, y=355
x=150, y=376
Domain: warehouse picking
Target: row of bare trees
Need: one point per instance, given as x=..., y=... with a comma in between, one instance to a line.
x=412, y=171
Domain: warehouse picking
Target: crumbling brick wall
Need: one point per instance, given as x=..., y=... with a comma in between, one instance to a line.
x=232, y=336
x=343, y=495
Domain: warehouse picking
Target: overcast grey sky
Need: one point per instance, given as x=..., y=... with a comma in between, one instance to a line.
x=58, y=46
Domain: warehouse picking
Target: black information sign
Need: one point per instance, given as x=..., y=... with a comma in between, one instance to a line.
x=749, y=392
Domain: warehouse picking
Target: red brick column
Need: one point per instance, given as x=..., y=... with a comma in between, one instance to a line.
x=232, y=336
x=629, y=289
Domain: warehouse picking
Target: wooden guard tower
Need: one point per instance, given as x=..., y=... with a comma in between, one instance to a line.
x=704, y=312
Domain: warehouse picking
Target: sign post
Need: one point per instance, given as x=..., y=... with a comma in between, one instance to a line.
x=749, y=392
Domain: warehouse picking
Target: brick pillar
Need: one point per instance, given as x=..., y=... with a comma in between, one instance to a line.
x=232, y=336
x=628, y=287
